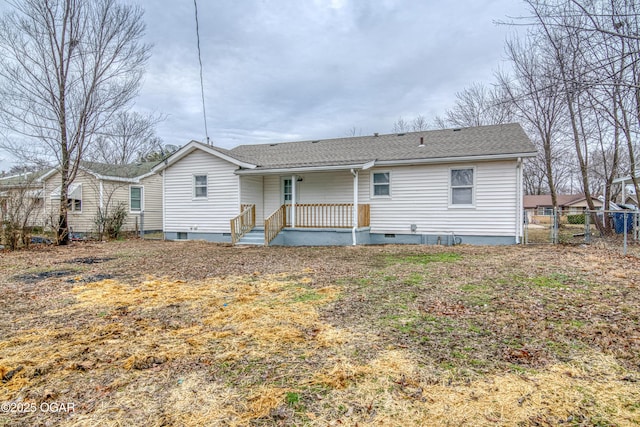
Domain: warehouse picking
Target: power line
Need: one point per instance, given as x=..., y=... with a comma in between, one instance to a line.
x=204, y=109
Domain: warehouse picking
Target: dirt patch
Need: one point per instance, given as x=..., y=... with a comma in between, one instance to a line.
x=90, y=278
x=40, y=276
x=200, y=334
x=89, y=260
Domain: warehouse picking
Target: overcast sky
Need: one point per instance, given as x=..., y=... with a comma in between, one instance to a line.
x=286, y=70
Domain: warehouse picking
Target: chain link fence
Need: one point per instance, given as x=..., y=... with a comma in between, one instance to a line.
x=612, y=229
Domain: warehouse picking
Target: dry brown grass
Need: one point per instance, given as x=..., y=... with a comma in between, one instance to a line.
x=337, y=339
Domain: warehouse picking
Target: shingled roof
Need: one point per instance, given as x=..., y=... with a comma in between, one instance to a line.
x=131, y=170
x=495, y=140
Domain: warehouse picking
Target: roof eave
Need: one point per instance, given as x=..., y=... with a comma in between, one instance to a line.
x=370, y=164
x=455, y=159
x=325, y=168
x=624, y=179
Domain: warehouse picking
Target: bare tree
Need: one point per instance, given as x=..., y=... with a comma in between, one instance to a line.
x=583, y=40
x=353, y=131
x=477, y=106
x=533, y=93
x=66, y=67
x=419, y=123
x=534, y=176
x=130, y=136
x=400, y=126
x=21, y=208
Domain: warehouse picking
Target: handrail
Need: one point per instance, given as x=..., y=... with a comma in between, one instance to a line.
x=274, y=224
x=243, y=223
x=315, y=215
x=328, y=215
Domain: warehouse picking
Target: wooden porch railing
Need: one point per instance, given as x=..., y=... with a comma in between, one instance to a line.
x=274, y=224
x=243, y=223
x=315, y=215
x=327, y=215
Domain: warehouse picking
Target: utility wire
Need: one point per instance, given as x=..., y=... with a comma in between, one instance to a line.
x=204, y=109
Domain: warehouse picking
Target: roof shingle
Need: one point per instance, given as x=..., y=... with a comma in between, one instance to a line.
x=449, y=143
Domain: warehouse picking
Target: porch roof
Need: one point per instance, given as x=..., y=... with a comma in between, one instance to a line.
x=496, y=141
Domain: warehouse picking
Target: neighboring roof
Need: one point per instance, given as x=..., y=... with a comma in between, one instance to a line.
x=28, y=178
x=130, y=172
x=625, y=179
x=508, y=140
x=531, y=202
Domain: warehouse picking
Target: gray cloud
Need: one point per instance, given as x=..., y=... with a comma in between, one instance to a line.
x=285, y=70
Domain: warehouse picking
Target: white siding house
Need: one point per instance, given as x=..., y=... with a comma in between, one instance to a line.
x=448, y=186
x=100, y=187
x=218, y=200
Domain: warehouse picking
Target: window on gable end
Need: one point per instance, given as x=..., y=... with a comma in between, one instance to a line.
x=200, y=186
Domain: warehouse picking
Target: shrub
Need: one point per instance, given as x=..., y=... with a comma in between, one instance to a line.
x=116, y=220
x=575, y=219
x=110, y=223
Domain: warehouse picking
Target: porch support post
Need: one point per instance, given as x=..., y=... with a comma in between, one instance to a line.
x=293, y=201
x=355, y=207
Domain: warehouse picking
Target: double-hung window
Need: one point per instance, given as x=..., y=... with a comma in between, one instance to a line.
x=462, y=183
x=135, y=199
x=74, y=198
x=381, y=183
x=200, y=186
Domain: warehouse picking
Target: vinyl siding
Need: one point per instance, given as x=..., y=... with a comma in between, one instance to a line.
x=319, y=187
x=420, y=195
x=79, y=222
x=251, y=193
x=113, y=193
x=272, y=194
x=19, y=202
x=211, y=214
x=152, y=202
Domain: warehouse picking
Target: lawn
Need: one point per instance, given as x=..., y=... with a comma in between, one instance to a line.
x=192, y=334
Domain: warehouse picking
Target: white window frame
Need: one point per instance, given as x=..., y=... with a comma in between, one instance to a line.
x=71, y=207
x=452, y=187
x=373, y=185
x=131, y=210
x=206, y=186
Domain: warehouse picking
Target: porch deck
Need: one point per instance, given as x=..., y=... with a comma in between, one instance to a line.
x=316, y=215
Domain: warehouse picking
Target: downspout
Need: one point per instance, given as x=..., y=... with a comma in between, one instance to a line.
x=293, y=201
x=355, y=207
x=164, y=208
x=44, y=205
x=101, y=201
x=239, y=193
x=519, y=218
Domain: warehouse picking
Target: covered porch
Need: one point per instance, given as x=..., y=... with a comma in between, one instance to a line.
x=307, y=207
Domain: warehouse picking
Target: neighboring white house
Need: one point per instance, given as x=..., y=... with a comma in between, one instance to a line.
x=21, y=199
x=102, y=186
x=442, y=186
x=627, y=195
